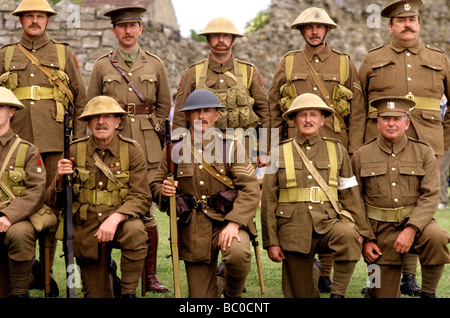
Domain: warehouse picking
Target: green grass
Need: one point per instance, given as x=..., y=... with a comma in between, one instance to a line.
x=271, y=270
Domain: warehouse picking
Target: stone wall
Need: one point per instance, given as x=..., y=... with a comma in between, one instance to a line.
x=264, y=48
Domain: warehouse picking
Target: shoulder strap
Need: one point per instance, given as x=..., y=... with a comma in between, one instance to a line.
x=47, y=72
x=344, y=68
x=291, y=182
x=8, y=56
x=200, y=74
x=61, y=52
x=5, y=163
x=319, y=178
x=124, y=155
x=289, y=66
x=81, y=154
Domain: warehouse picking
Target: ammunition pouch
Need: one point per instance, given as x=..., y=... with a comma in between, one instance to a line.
x=288, y=93
x=341, y=99
x=8, y=80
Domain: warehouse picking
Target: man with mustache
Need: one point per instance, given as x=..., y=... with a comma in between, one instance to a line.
x=237, y=83
x=300, y=217
x=405, y=67
x=204, y=175
x=399, y=183
x=41, y=122
x=111, y=196
x=337, y=83
x=147, y=101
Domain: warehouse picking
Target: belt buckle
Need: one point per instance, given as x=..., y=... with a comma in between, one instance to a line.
x=35, y=95
x=311, y=195
x=398, y=216
x=131, y=106
x=410, y=96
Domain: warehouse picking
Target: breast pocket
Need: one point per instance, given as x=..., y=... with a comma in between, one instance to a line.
x=382, y=76
x=151, y=140
x=374, y=183
x=111, y=84
x=149, y=86
x=432, y=77
x=412, y=173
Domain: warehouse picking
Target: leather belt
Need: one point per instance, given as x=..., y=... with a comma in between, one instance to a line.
x=137, y=109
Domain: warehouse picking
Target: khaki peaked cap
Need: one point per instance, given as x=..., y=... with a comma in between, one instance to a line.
x=125, y=14
x=402, y=8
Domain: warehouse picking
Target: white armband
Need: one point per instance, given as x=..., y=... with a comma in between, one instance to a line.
x=345, y=183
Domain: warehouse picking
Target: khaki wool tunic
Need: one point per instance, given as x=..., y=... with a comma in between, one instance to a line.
x=195, y=231
x=149, y=75
x=326, y=63
x=135, y=205
x=424, y=71
x=37, y=122
x=400, y=175
x=292, y=225
x=216, y=79
x=32, y=199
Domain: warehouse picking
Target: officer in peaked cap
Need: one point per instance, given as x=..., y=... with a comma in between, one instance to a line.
x=147, y=101
x=125, y=14
x=420, y=72
x=401, y=211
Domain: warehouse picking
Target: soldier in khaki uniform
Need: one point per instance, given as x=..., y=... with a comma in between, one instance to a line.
x=237, y=84
x=337, y=80
x=41, y=122
x=17, y=234
x=147, y=103
x=336, y=73
x=205, y=228
x=399, y=181
x=300, y=217
x=421, y=72
x=111, y=195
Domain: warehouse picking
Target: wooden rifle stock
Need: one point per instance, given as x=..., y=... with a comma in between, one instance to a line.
x=173, y=214
x=68, y=216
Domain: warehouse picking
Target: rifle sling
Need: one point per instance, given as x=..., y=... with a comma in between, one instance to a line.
x=47, y=72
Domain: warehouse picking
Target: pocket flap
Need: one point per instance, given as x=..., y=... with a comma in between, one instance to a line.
x=150, y=77
x=285, y=211
x=185, y=170
x=371, y=170
x=112, y=78
x=411, y=169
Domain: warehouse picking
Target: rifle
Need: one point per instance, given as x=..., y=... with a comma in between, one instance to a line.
x=172, y=213
x=68, y=215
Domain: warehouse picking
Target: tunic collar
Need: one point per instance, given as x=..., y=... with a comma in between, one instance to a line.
x=112, y=148
x=390, y=148
x=399, y=49
x=221, y=67
x=323, y=55
x=6, y=137
x=36, y=44
x=305, y=141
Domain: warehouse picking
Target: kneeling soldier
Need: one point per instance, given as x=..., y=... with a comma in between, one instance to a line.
x=22, y=193
x=111, y=195
x=205, y=178
x=399, y=181
x=300, y=204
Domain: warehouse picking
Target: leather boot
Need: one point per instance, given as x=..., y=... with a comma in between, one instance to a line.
x=152, y=281
x=408, y=285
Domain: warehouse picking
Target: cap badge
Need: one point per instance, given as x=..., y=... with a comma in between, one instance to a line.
x=390, y=105
x=407, y=7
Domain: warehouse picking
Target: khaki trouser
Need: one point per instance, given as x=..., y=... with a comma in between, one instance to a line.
x=298, y=268
x=17, y=247
x=201, y=277
x=131, y=239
